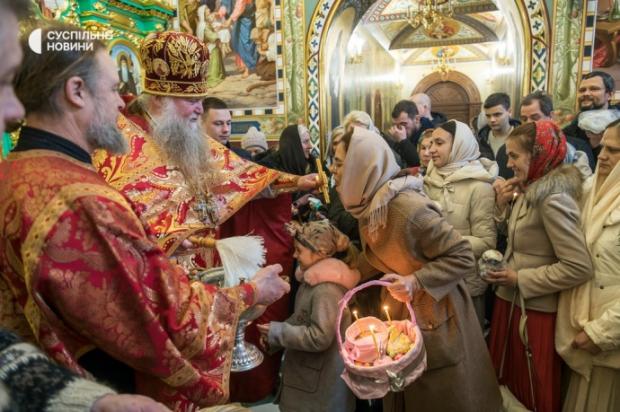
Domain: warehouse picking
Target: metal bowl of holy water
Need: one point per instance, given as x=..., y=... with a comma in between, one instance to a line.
x=245, y=356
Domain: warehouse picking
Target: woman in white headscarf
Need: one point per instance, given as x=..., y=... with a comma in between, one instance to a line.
x=462, y=185
x=405, y=235
x=588, y=319
x=594, y=123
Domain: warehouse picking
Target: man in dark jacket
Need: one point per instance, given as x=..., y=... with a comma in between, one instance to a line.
x=216, y=120
x=594, y=93
x=407, y=127
x=539, y=106
x=499, y=125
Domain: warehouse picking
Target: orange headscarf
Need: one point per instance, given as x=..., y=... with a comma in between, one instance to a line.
x=549, y=150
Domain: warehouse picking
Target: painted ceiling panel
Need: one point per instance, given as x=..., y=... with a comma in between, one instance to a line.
x=459, y=30
x=391, y=10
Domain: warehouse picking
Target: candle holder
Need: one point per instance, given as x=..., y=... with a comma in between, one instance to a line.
x=246, y=356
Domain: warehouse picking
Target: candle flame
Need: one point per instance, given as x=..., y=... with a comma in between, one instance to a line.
x=387, y=313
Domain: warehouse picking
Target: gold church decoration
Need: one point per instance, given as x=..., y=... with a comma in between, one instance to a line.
x=430, y=14
x=442, y=64
x=322, y=181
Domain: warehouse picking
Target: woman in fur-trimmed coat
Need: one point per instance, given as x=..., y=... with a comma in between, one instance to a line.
x=546, y=254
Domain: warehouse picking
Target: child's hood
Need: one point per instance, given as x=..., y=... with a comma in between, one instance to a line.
x=330, y=270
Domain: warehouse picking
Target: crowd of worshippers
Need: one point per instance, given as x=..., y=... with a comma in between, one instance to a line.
x=105, y=202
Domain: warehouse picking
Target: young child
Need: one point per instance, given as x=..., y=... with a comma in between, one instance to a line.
x=312, y=366
x=223, y=31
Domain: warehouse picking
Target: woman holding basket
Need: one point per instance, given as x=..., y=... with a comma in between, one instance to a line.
x=404, y=234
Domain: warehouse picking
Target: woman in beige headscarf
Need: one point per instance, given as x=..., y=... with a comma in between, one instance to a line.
x=404, y=234
x=588, y=319
x=461, y=184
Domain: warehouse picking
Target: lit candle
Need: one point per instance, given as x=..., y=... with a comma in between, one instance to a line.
x=355, y=315
x=387, y=312
x=374, y=338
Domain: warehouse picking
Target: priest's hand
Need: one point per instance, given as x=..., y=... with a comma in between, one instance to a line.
x=402, y=287
x=582, y=341
x=269, y=285
x=308, y=182
x=127, y=403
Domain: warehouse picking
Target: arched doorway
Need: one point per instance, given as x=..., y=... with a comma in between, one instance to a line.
x=520, y=65
x=455, y=95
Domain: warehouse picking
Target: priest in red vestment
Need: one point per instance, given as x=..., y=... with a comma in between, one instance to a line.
x=185, y=184
x=79, y=274
x=180, y=182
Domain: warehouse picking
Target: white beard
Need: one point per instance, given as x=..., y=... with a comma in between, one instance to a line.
x=183, y=143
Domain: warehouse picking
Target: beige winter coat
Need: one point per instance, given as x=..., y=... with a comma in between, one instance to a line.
x=595, y=306
x=467, y=200
x=546, y=246
x=418, y=240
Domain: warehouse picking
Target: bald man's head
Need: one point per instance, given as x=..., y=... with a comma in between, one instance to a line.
x=424, y=104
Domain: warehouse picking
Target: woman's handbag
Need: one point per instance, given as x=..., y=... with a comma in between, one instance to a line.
x=510, y=403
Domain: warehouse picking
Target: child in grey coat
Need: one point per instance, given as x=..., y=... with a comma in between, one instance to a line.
x=312, y=366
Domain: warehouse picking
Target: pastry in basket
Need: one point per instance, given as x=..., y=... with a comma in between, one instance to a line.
x=398, y=342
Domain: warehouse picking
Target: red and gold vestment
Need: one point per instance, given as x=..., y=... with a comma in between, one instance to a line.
x=78, y=272
x=161, y=196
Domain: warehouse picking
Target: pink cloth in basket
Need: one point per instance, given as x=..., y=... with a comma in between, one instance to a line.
x=364, y=349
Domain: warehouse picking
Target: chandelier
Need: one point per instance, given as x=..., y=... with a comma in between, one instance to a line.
x=429, y=14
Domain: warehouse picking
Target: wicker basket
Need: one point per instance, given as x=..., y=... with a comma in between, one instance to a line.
x=373, y=382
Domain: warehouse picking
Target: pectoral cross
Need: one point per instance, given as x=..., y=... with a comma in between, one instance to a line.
x=206, y=210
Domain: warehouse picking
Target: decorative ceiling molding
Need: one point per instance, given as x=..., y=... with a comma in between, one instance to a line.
x=393, y=10
x=464, y=30
x=476, y=53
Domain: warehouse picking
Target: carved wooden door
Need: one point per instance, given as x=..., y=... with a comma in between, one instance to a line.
x=450, y=99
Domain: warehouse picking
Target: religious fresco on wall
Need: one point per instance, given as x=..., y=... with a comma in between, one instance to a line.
x=606, y=55
x=52, y=9
x=566, y=51
x=128, y=65
x=243, y=47
x=294, y=56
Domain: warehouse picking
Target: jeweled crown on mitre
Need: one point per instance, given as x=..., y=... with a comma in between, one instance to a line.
x=174, y=64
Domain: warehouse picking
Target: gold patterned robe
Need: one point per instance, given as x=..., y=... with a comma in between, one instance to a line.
x=78, y=272
x=162, y=198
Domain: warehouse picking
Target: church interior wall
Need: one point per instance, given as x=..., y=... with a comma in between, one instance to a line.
x=549, y=47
